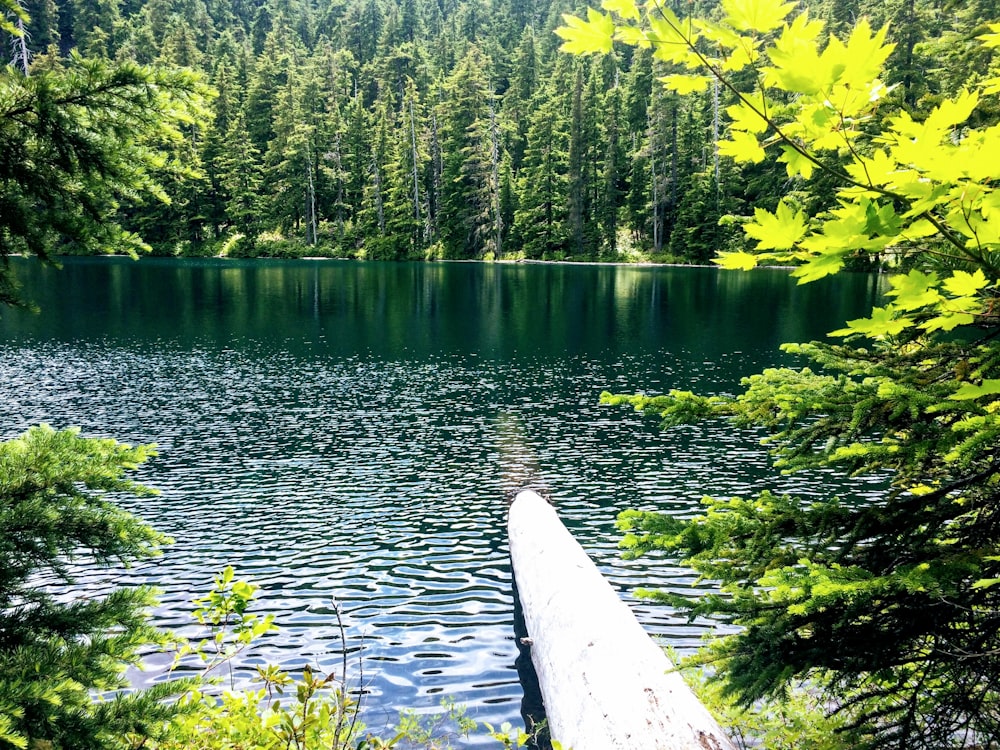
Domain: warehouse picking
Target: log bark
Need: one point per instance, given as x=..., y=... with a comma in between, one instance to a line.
x=604, y=682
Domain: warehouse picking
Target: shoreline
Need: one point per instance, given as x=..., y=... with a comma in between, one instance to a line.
x=57, y=259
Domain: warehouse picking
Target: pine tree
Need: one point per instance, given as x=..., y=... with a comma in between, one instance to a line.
x=43, y=24
x=469, y=194
x=241, y=175
x=612, y=183
x=406, y=209
x=578, y=186
x=268, y=78
x=542, y=215
x=54, y=510
x=518, y=97
x=93, y=25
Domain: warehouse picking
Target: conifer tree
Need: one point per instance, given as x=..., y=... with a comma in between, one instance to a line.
x=469, y=196
x=406, y=209
x=75, y=137
x=612, y=182
x=542, y=216
x=55, y=509
x=517, y=99
x=241, y=174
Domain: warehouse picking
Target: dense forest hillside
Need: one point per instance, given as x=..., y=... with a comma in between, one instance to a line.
x=455, y=128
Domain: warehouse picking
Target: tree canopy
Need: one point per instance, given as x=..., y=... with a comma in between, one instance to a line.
x=891, y=605
x=337, y=129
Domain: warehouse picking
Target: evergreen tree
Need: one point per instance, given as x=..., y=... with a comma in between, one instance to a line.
x=240, y=173
x=518, y=97
x=292, y=159
x=268, y=77
x=469, y=194
x=43, y=26
x=93, y=25
x=75, y=137
x=612, y=183
x=355, y=159
x=578, y=187
x=54, y=509
x=542, y=216
x=406, y=209
x=365, y=21
x=375, y=195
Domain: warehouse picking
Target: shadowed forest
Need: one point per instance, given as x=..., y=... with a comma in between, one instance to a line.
x=455, y=129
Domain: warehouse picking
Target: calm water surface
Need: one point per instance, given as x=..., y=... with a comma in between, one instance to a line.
x=348, y=432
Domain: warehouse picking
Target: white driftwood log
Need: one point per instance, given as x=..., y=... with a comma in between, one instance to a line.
x=604, y=682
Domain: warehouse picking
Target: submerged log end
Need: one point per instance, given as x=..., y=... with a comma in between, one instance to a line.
x=604, y=682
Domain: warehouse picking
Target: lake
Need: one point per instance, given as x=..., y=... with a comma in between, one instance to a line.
x=345, y=431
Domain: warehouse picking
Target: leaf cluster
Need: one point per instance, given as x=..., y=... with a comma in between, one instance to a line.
x=886, y=602
x=910, y=189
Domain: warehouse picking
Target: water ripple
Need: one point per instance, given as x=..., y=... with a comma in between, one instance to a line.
x=377, y=484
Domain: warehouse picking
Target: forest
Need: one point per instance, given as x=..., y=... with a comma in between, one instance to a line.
x=455, y=129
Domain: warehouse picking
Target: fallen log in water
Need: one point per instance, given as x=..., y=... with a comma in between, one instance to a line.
x=604, y=682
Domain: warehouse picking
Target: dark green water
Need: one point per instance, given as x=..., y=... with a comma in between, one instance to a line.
x=349, y=430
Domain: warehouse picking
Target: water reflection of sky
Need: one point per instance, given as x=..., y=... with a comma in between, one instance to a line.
x=349, y=431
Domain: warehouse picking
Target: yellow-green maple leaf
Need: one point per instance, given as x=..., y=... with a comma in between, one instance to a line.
x=948, y=321
x=991, y=40
x=918, y=230
x=865, y=54
x=796, y=163
x=724, y=36
x=883, y=322
x=824, y=264
x=777, y=231
x=624, y=8
x=742, y=147
x=796, y=60
x=685, y=84
x=736, y=261
x=991, y=85
x=982, y=153
x=949, y=113
x=756, y=15
x=965, y=284
x=953, y=312
x=583, y=37
x=844, y=229
x=879, y=169
x=633, y=36
x=746, y=118
x=666, y=28
x=741, y=57
x=914, y=290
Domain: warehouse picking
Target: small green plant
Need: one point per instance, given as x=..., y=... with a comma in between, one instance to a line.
x=321, y=714
x=800, y=718
x=278, y=711
x=434, y=731
x=516, y=739
x=232, y=629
